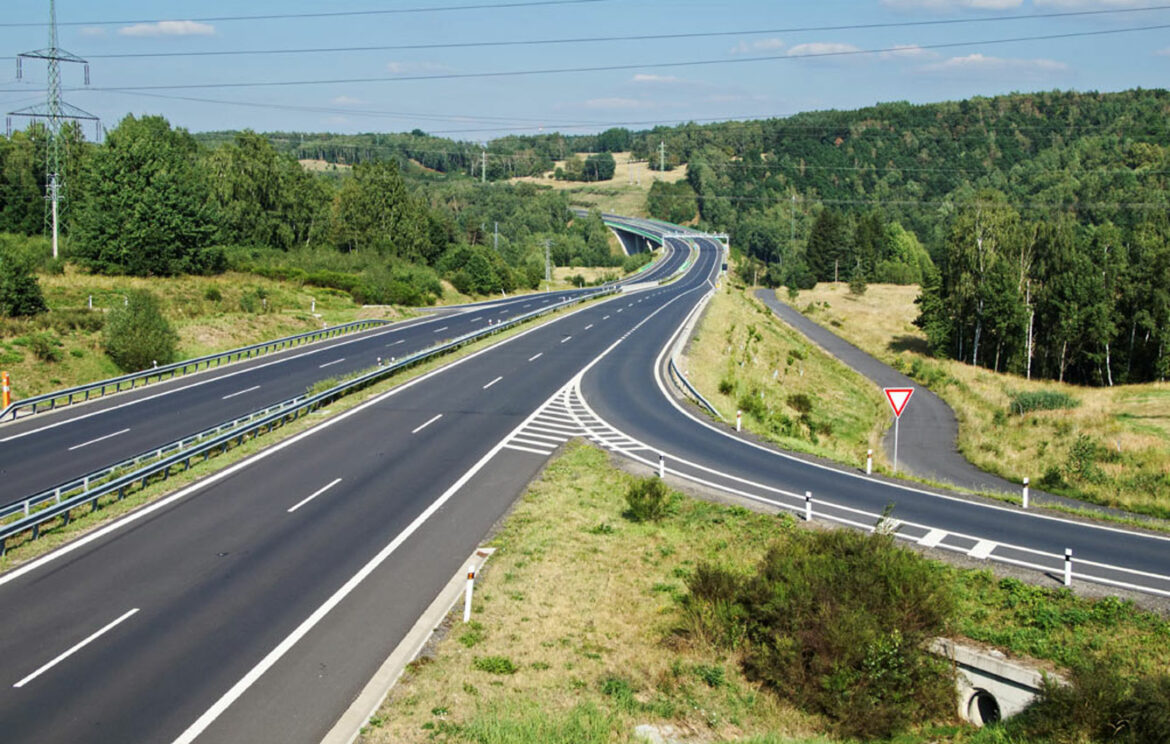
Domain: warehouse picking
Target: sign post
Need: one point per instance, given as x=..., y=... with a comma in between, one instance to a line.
x=898, y=398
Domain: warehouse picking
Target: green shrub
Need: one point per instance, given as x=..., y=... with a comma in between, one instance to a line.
x=46, y=346
x=136, y=334
x=648, y=500
x=212, y=294
x=726, y=386
x=1041, y=400
x=837, y=622
x=473, y=635
x=494, y=664
x=801, y=403
x=20, y=294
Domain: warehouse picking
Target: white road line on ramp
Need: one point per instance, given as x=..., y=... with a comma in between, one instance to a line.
x=933, y=538
x=982, y=549
x=75, y=649
x=330, y=364
x=493, y=382
x=95, y=441
x=534, y=358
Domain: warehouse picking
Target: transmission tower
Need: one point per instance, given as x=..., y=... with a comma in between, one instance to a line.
x=54, y=111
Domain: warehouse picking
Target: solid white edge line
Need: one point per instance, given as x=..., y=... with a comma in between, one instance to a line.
x=330, y=364
x=240, y=392
x=359, y=337
x=65, y=655
x=493, y=382
x=239, y=688
x=315, y=494
x=428, y=423
x=213, y=478
x=95, y=441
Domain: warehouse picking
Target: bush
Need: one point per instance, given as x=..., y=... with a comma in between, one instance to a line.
x=212, y=294
x=648, y=500
x=46, y=346
x=1041, y=400
x=137, y=335
x=494, y=664
x=837, y=622
x=20, y=294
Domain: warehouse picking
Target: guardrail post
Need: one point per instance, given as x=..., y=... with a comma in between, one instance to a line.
x=808, y=506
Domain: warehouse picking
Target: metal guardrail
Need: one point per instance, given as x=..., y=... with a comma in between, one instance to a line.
x=89, y=480
x=161, y=469
x=678, y=375
x=82, y=393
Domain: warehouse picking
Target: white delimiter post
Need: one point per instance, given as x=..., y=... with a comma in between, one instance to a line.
x=1025, y=502
x=1068, y=566
x=808, y=506
x=869, y=462
x=739, y=420
x=467, y=597
x=661, y=465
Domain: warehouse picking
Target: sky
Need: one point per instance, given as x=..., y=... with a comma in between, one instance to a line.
x=455, y=71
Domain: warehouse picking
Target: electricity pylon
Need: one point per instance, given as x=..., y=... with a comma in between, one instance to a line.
x=54, y=111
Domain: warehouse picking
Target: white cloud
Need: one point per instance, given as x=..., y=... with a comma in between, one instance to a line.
x=979, y=65
x=415, y=68
x=1090, y=4
x=1163, y=52
x=909, y=51
x=821, y=49
x=945, y=5
x=346, y=101
x=759, y=45
x=93, y=31
x=645, y=78
x=168, y=28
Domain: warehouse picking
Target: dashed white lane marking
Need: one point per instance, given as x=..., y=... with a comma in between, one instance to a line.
x=314, y=495
x=620, y=309
x=440, y=330
x=475, y=319
x=240, y=392
x=932, y=539
x=75, y=649
x=428, y=423
x=493, y=382
x=95, y=441
x=534, y=358
x=330, y=364
x=528, y=305
x=399, y=341
x=566, y=338
x=588, y=326
x=606, y=318
x=982, y=549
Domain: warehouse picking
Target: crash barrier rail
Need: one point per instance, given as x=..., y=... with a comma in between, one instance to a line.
x=90, y=480
x=82, y=393
x=161, y=469
x=672, y=366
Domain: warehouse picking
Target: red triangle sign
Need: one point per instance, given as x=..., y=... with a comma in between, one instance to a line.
x=898, y=398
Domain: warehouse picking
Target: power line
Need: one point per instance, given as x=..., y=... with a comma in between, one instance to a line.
x=623, y=67
x=608, y=39
x=322, y=14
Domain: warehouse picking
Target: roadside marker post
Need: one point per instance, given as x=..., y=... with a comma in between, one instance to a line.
x=869, y=462
x=1025, y=493
x=808, y=506
x=467, y=596
x=898, y=398
x=661, y=465
x=7, y=394
x=1068, y=566
x=739, y=420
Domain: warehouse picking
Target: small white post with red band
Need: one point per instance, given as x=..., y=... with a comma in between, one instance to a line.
x=898, y=398
x=7, y=400
x=739, y=420
x=869, y=462
x=467, y=597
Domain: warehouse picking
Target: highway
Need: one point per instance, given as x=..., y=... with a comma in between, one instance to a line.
x=43, y=451
x=322, y=550
x=254, y=605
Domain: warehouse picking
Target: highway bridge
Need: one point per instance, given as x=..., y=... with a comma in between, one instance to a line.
x=256, y=603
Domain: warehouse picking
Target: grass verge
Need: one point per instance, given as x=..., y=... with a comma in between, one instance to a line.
x=86, y=518
x=1111, y=447
x=790, y=391
x=579, y=633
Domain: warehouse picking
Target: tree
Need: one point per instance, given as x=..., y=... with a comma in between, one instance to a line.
x=599, y=167
x=374, y=211
x=20, y=294
x=827, y=251
x=136, y=335
x=673, y=202
x=144, y=209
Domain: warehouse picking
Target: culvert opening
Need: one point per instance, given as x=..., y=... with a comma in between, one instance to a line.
x=983, y=708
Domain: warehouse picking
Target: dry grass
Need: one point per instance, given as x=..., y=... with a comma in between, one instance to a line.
x=624, y=194
x=781, y=364
x=575, y=596
x=1130, y=424
x=318, y=166
x=204, y=325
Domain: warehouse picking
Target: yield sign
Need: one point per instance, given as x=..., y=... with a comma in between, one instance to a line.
x=898, y=398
